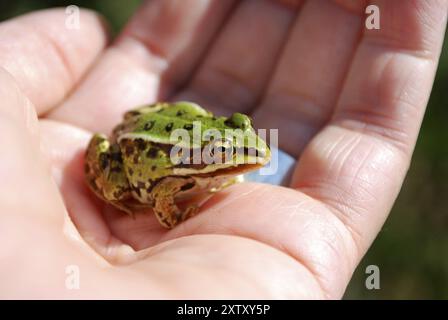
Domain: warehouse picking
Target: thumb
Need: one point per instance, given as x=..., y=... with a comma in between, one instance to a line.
x=26, y=186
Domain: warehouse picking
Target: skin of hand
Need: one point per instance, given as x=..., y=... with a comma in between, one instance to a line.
x=349, y=100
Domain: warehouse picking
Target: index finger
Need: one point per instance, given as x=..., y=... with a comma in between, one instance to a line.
x=48, y=56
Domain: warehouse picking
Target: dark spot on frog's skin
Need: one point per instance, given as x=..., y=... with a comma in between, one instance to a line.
x=129, y=150
x=179, y=113
x=229, y=123
x=131, y=172
x=152, y=153
x=148, y=125
x=141, y=144
x=153, y=168
x=135, y=159
x=138, y=192
x=169, y=127
x=188, y=126
x=214, y=118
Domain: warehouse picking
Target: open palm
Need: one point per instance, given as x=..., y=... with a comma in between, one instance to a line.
x=348, y=103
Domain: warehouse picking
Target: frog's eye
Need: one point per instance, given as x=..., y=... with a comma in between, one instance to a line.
x=239, y=121
x=221, y=151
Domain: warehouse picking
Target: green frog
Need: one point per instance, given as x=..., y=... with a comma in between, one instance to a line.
x=169, y=156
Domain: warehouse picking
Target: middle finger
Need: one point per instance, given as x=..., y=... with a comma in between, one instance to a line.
x=309, y=76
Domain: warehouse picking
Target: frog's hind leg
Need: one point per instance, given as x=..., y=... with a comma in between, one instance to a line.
x=165, y=208
x=104, y=172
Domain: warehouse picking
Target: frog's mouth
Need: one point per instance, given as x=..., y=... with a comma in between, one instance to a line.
x=243, y=162
x=231, y=170
x=238, y=169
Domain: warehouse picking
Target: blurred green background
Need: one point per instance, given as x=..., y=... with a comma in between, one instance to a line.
x=412, y=248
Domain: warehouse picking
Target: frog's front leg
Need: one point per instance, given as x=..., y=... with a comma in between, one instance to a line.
x=104, y=172
x=165, y=208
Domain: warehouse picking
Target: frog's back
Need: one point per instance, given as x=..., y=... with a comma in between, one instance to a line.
x=157, y=123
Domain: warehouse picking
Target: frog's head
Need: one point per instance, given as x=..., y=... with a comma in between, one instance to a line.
x=239, y=149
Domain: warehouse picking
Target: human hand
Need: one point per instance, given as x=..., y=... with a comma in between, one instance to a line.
x=348, y=101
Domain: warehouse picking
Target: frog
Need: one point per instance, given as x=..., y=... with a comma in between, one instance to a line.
x=146, y=164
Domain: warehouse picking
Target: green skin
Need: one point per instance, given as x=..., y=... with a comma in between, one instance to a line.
x=133, y=169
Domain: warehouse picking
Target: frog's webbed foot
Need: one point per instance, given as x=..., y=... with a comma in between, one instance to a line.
x=165, y=207
x=104, y=172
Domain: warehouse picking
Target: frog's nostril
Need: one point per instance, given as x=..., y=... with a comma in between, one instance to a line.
x=259, y=153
